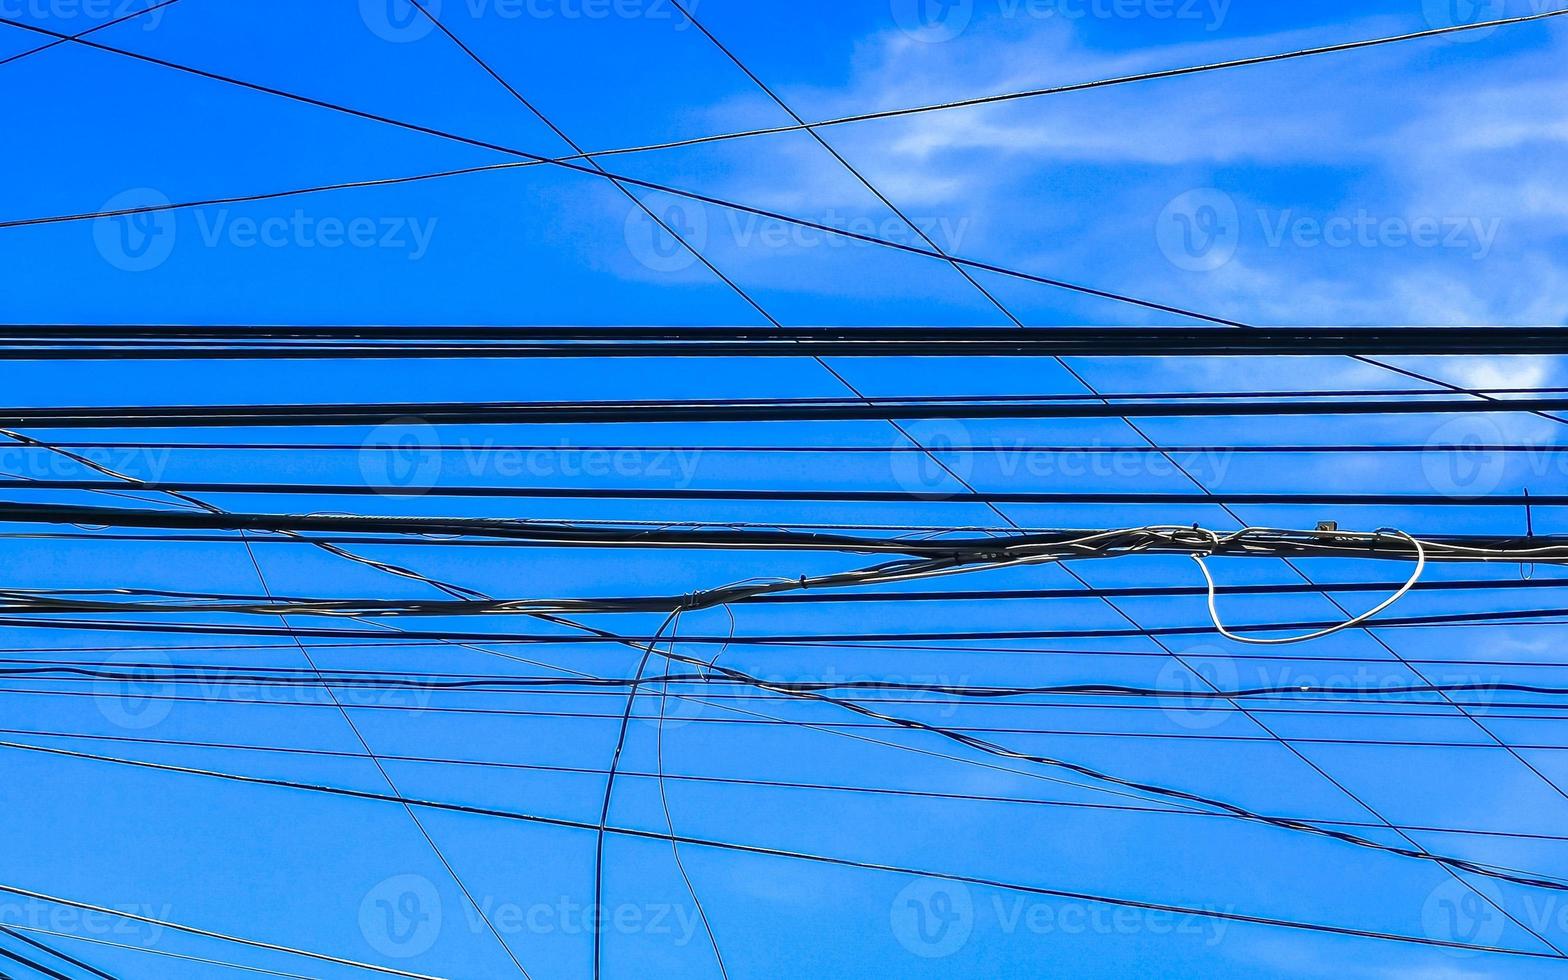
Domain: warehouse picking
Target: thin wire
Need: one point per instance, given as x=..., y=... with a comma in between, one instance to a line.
x=1318, y=634
x=204, y=933
x=664, y=803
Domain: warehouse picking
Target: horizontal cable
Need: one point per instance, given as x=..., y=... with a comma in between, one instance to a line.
x=1065, y=544
x=842, y=726
x=371, y=680
x=46, y=342
x=997, y=448
x=1501, y=617
x=1300, y=707
x=596, y=492
x=18, y=600
x=781, y=410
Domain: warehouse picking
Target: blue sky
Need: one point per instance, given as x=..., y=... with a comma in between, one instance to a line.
x=1410, y=184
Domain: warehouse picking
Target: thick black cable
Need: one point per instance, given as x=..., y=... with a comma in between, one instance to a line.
x=783, y=410
x=677, y=341
x=599, y=492
x=38, y=945
x=32, y=964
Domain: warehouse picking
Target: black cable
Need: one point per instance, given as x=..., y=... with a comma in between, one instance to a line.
x=208, y=602
x=31, y=964
x=862, y=117
x=755, y=849
x=620, y=180
x=44, y=341
x=382, y=681
x=783, y=410
x=1318, y=707
x=775, y=639
x=997, y=448
x=81, y=34
x=43, y=947
x=774, y=784
x=599, y=492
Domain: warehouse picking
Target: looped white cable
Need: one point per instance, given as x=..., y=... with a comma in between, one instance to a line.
x=1214, y=614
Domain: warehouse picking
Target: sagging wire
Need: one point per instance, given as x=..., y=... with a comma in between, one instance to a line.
x=1214, y=615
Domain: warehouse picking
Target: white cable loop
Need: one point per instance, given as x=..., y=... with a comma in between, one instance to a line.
x=1214, y=614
